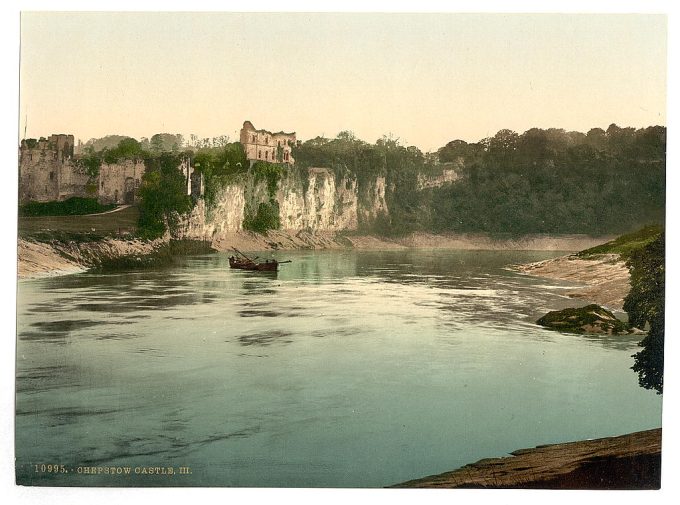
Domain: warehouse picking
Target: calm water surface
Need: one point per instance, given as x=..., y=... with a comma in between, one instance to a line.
x=358, y=369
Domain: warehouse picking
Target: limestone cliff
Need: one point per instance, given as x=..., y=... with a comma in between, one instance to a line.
x=316, y=201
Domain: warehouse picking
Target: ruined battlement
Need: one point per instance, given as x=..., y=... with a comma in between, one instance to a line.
x=263, y=145
x=57, y=147
x=46, y=169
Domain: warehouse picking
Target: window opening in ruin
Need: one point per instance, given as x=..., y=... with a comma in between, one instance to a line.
x=51, y=176
x=259, y=154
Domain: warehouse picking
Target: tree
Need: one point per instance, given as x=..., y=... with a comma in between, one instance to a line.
x=645, y=306
x=504, y=141
x=453, y=150
x=129, y=147
x=163, y=196
x=156, y=143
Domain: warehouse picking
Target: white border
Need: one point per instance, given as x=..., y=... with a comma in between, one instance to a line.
x=9, y=30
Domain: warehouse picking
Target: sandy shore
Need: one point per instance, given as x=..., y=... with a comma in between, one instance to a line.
x=604, y=279
x=630, y=461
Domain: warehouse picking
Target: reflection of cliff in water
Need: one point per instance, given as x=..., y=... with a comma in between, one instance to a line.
x=318, y=267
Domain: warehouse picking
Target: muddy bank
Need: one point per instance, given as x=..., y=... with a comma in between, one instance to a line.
x=290, y=239
x=43, y=259
x=279, y=239
x=603, y=279
x=477, y=241
x=630, y=461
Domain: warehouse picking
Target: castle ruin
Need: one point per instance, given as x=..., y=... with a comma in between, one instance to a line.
x=49, y=171
x=263, y=145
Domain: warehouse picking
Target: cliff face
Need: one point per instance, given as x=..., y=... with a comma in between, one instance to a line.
x=326, y=204
x=319, y=201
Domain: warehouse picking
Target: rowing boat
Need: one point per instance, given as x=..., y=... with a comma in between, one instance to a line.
x=243, y=262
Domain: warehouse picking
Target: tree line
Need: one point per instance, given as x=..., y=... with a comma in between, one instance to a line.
x=540, y=181
x=553, y=181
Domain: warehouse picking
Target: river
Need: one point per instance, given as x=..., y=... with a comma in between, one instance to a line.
x=345, y=369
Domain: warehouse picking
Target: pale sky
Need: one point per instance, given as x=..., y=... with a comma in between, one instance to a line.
x=425, y=78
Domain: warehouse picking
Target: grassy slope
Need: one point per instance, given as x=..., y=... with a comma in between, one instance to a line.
x=625, y=244
x=72, y=207
x=124, y=220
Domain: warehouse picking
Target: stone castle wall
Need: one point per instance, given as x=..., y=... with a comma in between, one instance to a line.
x=263, y=145
x=47, y=170
x=119, y=182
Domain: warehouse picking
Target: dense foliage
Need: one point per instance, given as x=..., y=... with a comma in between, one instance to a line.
x=103, y=143
x=163, y=143
x=219, y=165
x=645, y=306
x=552, y=181
x=542, y=181
x=127, y=148
x=71, y=207
x=163, y=196
x=265, y=218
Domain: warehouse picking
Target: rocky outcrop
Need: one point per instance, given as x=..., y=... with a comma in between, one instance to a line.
x=589, y=319
x=447, y=176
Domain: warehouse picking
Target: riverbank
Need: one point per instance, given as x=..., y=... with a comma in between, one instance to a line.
x=603, y=279
x=60, y=257
x=49, y=257
x=630, y=461
x=290, y=239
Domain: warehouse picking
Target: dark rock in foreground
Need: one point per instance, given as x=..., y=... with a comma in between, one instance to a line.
x=589, y=319
x=630, y=461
